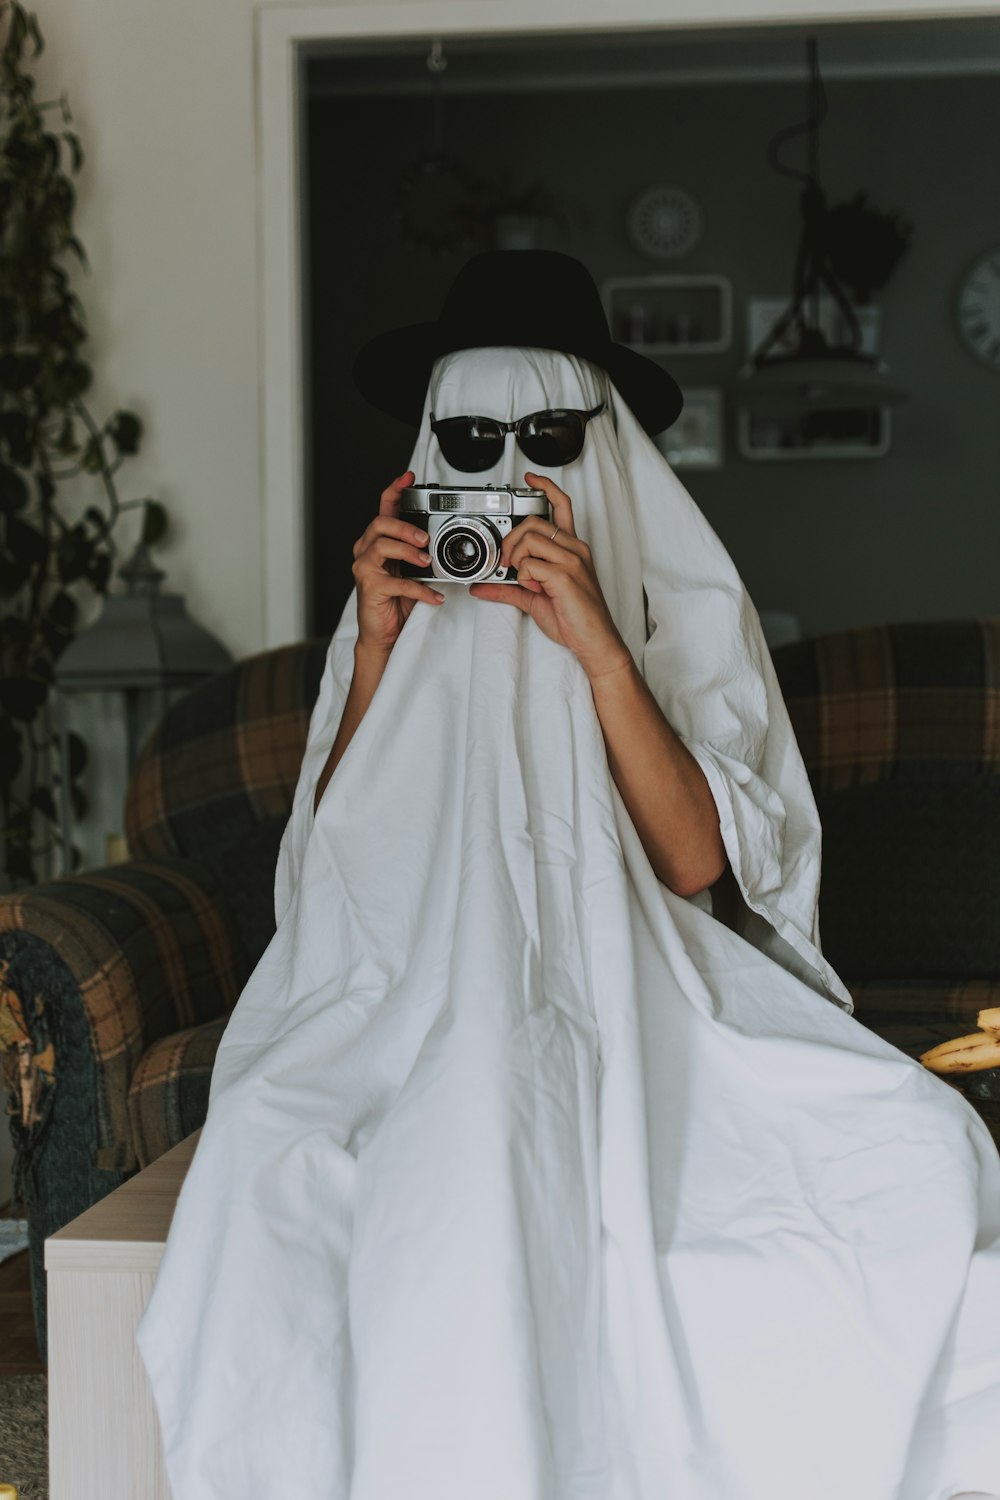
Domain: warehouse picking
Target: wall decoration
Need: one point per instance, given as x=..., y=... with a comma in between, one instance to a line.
x=694, y=441
x=979, y=308
x=864, y=244
x=763, y=313
x=810, y=388
x=448, y=207
x=671, y=314
x=664, y=222
x=861, y=431
x=433, y=188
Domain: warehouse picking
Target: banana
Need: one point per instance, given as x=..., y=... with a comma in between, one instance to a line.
x=989, y=1020
x=964, y=1054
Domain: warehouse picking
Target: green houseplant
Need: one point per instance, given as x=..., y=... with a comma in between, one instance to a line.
x=56, y=542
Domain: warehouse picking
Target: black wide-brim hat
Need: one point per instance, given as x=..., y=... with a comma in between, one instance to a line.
x=527, y=298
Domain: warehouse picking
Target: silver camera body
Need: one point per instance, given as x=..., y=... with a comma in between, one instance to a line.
x=466, y=526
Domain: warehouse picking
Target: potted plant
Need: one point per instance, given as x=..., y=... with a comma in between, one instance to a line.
x=511, y=216
x=56, y=539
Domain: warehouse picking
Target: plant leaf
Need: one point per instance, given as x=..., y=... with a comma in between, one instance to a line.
x=77, y=753
x=154, y=522
x=99, y=571
x=73, y=553
x=13, y=490
x=11, y=754
x=22, y=696
x=75, y=149
x=42, y=801
x=26, y=542
x=62, y=610
x=125, y=430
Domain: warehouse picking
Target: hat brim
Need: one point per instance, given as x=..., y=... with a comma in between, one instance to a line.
x=392, y=371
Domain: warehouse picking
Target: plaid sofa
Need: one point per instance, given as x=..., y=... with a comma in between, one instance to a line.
x=899, y=727
x=116, y=984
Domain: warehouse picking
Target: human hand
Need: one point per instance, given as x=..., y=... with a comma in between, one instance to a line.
x=557, y=585
x=384, y=598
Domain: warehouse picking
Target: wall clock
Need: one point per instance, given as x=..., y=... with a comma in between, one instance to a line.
x=664, y=222
x=979, y=308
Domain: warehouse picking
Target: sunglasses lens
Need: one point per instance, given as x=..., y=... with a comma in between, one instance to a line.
x=469, y=443
x=552, y=438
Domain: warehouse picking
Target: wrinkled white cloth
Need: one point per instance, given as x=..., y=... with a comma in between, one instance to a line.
x=524, y=1178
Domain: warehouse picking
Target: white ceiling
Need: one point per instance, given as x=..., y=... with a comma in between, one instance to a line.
x=608, y=60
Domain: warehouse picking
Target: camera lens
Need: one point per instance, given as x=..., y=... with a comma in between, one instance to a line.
x=466, y=550
x=462, y=554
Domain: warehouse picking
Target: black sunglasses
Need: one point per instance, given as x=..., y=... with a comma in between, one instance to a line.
x=546, y=437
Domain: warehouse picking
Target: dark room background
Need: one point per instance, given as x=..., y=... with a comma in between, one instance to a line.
x=914, y=114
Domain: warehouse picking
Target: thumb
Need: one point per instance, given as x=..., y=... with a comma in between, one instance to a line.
x=505, y=593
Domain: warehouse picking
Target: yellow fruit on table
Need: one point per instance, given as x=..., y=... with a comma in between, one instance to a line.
x=989, y=1019
x=964, y=1054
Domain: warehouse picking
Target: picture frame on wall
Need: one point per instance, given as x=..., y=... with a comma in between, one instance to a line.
x=670, y=314
x=763, y=312
x=864, y=432
x=694, y=441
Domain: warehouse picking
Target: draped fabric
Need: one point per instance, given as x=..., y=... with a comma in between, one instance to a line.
x=523, y=1176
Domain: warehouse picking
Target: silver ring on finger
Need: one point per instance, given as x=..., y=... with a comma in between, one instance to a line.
x=555, y=534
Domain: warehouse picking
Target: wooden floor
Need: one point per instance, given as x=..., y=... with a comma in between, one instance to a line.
x=19, y=1347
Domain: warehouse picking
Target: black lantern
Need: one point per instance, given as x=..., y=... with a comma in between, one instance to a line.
x=834, y=244
x=143, y=646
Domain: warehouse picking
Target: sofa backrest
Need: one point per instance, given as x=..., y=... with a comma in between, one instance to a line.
x=899, y=727
x=215, y=780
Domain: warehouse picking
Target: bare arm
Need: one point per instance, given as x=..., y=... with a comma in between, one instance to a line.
x=661, y=783
x=384, y=604
x=368, y=668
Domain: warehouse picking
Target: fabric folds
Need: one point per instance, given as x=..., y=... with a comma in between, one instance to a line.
x=525, y=1178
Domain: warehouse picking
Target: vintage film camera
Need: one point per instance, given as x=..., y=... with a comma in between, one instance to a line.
x=466, y=525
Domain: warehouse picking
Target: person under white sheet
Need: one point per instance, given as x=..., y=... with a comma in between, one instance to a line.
x=664, y=788
x=522, y=1174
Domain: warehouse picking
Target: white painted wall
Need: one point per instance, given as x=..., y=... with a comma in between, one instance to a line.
x=162, y=97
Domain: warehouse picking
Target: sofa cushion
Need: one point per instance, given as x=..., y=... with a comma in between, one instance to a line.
x=215, y=780
x=168, y=1095
x=907, y=702
x=911, y=878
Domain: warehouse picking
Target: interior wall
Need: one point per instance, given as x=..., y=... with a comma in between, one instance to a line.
x=162, y=99
x=912, y=535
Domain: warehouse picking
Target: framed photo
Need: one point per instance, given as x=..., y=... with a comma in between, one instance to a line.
x=695, y=439
x=864, y=432
x=671, y=314
x=764, y=312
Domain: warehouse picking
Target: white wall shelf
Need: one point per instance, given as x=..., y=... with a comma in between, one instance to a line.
x=670, y=314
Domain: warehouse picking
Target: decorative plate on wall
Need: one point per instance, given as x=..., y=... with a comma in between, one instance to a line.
x=664, y=222
x=979, y=308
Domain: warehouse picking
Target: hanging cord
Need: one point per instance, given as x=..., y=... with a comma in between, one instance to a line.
x=436, y=64
x=812, y=261
x=818, y=110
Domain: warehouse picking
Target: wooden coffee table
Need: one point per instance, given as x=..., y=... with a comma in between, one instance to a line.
x=104, y=1436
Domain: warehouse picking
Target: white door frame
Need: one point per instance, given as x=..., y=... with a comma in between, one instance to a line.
x=282, y=31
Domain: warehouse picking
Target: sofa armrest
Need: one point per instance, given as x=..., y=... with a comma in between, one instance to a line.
x=104, y=963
